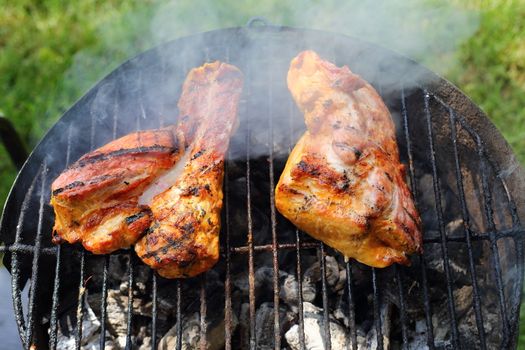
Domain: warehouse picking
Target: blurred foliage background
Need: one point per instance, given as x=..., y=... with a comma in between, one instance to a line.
x=52, y=51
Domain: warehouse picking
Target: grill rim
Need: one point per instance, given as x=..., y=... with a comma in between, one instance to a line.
x=440, y=87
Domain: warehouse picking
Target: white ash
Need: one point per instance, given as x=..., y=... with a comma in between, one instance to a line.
x=441, y=325
x=90, y=332
x=419, y=338
x=146, y=344
x=314, y=331
x=191, y=333
x=341, y=282
x=341, y=311
x=462, y=300
x=117, y=306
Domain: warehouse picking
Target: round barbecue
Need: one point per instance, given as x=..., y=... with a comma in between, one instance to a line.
x=274, y=286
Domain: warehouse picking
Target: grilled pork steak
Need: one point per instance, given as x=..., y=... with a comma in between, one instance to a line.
x=183, y=239
x=343, y=182
x=110, y=197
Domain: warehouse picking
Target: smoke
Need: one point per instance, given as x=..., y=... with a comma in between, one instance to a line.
x=428, y=31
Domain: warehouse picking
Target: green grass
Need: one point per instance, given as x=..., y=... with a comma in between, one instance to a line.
x=52, y=51
x=492, y=72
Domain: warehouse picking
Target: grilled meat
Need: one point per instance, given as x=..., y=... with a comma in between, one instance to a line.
x=183, y=240
x=96, y=199
x=343, y=182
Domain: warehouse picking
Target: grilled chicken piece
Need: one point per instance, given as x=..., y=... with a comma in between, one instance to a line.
x=96, y=199
x=343, y=182
x=183, y=240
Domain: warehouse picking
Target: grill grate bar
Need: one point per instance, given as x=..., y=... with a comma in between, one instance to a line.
x=439, y=212
x=82, y=282
x=326, y=316
x=275, y=262
x=512, y=206
x=298, y=244
x=26, y=249
x=251, y=272
x=15, y=267
x=36, y=256
x=426, y=304
x=131, y=268
x=302, y=340
x=484, y=236
x=514, y=232
x=402, y=306
x=56, y=283
x=377, y=312
x=203, y=310
x=351, y=306
x=55, y=301
x=518, y=242
x=269, y=247
x=179, y=315
x=104, y=302
x=227, y=281
x=467, y=229
x=487, y=203
x=80, y=301
x=413, y=187
x=154, y=311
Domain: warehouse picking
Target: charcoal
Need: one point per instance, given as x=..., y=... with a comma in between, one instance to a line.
x=244, y=327
x=265, y=322
x=263, y=281
x=289, y=289
x=372, y=336
x=313, y=273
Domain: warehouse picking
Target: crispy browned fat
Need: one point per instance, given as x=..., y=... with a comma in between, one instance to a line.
x=96, y=198
x=343, y=182
x=183, y=240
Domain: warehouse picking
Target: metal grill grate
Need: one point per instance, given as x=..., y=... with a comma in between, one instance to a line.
x=419, y=110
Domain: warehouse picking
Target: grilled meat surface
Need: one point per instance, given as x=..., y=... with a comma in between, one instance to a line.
x=183, y=239
x=106, y=200
x=96, y=199
x=343, y=182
